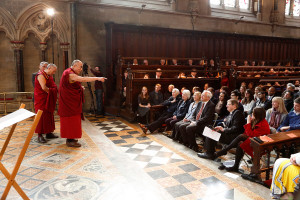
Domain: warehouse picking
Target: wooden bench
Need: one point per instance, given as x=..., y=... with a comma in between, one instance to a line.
x=280, y=141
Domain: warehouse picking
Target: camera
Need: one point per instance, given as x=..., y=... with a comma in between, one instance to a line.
x=85, y=68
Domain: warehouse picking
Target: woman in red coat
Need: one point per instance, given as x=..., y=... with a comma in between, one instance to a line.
x=256, y=126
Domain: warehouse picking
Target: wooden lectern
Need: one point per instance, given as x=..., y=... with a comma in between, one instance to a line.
x=11, y=177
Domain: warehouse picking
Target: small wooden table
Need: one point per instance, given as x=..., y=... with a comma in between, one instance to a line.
x=280, y=140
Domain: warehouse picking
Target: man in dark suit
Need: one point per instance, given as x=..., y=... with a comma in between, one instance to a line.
x=203, y=116
x=171, y=103
x=156, y=97
x=233, y=126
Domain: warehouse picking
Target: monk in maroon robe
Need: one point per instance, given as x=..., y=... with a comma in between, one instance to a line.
x=70, y=102
x=45, y=96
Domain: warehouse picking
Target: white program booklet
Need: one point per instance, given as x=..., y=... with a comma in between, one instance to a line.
x=15, y=117
x=211, y=134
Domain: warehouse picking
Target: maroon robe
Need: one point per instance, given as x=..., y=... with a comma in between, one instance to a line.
x=46, y=102
x=70, y=106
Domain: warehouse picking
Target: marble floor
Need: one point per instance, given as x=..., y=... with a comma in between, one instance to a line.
x=114, y=162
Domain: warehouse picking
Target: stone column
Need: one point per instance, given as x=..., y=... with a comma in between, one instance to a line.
x=222, y=4
x=258, y=15
x=73, y=30
x=251, y=5
x=65, y=47
x=43, y=46
x=291, y=7
x=18, y=56
x=237, y=5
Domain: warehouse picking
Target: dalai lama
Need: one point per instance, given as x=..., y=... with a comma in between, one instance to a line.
x=45, y=96
x=70, y=102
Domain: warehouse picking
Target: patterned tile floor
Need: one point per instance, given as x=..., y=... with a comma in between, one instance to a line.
x=119, y=165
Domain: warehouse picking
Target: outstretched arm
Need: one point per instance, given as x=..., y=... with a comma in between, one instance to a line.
x=75, y=77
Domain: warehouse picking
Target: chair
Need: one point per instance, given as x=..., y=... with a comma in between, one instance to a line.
x=215, y=119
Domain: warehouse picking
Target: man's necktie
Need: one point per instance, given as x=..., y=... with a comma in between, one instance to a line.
x=200, y=112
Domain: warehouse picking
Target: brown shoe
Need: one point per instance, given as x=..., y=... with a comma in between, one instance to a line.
x=51, y=136
x=41, y=139
x=144, y=128
x=73, y=144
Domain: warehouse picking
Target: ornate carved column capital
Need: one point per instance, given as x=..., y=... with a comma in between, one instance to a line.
x=43, y=46
x=65, y=46
x=17, y=45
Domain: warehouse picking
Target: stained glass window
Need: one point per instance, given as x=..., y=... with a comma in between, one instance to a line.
x=296, y=9
x=215, y=2
x=229, y=3
x=244, y=4
x=287, y=7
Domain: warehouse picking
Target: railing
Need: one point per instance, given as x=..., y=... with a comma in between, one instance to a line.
x=10, y=101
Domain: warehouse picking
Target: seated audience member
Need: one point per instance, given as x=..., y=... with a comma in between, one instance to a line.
x=256, y=126
x=290, y=87
x=195, y=89
x=256, y=91
x=181, y=75
x=162, y=62
x=297, y=85
x=146, y=76
x=253, y=63
x=235, y=94
x=262, y=63
x=288, y=100
x=213, y=98
x=276, y=114
x=224, y=79
x=168, y=93
x=188, y=117
x=183, y=88
x=278, y=64
x=244, y=84
x=206, y=86
x=145, y=62
x=226, y=63
x=202, y=63
x=156, y=97
x=262, y=102
x=158, y=73
x=233, y=63
x=203, y=116
x=171, y=105
x=292, y=120
x=242, y=91
x=174, y=61
x=233, y=126
x=221, y=108
x=225, y=89
x=271, y=93
x=248, y=102
x=123, y=96
x=250, y=86
x=180, y=111
x=193, y=73
x=144, y=104
x=271, y=73
x=285, y=179
x=246, y=63
x=190, y=62
x=135, y=62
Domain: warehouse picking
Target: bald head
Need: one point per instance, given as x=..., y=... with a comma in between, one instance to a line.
x=77, y=66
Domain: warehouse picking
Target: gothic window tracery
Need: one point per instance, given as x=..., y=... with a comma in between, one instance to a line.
x=292, y=8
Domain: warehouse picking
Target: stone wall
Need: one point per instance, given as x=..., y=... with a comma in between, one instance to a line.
x=92, y=16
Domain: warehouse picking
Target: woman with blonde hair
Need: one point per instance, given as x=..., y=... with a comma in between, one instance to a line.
x=276, y=115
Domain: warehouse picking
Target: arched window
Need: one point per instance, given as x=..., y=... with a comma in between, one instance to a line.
x=292, y=8
x=229, y=4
